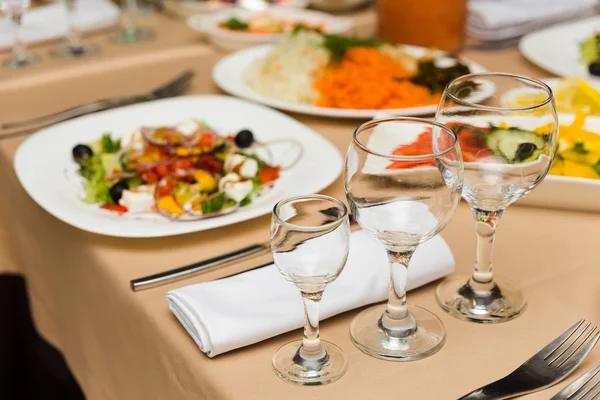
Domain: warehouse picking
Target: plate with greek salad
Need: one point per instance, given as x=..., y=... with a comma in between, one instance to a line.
x=173, y=166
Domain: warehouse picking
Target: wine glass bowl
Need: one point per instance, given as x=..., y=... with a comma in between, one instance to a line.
x=507, y=150
x=310, y=245
x=403, y=179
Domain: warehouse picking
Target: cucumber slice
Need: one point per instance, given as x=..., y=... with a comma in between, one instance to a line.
x=514, y=144
x=589, y=50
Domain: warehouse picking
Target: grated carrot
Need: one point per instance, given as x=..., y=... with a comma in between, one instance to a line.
x=366, y=78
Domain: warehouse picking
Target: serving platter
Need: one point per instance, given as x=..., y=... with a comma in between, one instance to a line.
x=229, y=73
x=556, y=49
x=47, y=172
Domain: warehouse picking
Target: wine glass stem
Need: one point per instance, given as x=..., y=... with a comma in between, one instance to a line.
x=73, y=35
x=485, y=226
x=19, y=49
x=311, y=343
x=130, y=12
x=396, y=321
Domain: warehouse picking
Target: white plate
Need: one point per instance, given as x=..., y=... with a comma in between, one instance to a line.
x=233, y=40
x=566, y=192
x=45, y=168
x=556, y=49
x=229, y=72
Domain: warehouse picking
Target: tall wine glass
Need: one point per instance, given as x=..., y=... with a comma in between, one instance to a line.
x=309, y=240
x=129, y=31
x=403, y=179
x=20, y=57
x=507, y=152
x=74, y=46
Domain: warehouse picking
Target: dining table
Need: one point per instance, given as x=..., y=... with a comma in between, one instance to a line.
x=121, y=344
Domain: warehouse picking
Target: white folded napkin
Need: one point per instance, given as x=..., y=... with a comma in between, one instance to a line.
x=230, y=313
x=505, y=19
x=50, y=22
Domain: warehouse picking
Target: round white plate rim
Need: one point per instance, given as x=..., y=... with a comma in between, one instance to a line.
x=528, y=47
x=22, y=156
x=255, y=52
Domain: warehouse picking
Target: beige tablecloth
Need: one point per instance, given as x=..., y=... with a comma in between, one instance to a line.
x=125, y=345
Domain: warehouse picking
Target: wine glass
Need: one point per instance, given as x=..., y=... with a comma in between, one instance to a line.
x=507, y=151
x=20, y=57
x=403, y=179
x=130, y=32
x=74, y=46
x=309, y=241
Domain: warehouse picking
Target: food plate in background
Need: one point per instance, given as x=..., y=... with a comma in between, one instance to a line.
x=208, y=6
x=557, y=49
x=229, y=75
x=228, y=39
x=44, y=165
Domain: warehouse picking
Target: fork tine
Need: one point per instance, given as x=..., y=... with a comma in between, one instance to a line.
x=594, y=382
x=595, y=393
x=555, y=344
x=577, y=358
x=572, y=349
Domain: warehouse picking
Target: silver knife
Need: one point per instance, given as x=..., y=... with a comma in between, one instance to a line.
x=162, y=278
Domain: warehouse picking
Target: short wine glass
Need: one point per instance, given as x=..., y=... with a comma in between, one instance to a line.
x=309, y=240
x=14, y=10
x=507, y=151
x=130, y=32
x=74, y=46
x=403, y=179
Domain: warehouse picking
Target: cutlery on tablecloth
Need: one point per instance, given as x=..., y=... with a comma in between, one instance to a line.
x=173, y=88
x=546, y=368
x=172, y=275
x=586, y=387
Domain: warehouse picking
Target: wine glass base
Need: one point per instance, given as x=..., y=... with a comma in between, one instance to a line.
x=371, y=339
x=138, y=35
x=26, y=60
x=310, y=373
x=86, y=50
x=503, y=302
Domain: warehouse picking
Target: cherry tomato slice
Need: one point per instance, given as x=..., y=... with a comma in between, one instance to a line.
x=209, y=163
x=114, y=207
x=150, y=177
x=162, y=171
x=268, y=175
x=182, y=163
x=165, y=188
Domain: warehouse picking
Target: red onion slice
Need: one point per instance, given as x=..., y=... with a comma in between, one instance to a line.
x=149, y=135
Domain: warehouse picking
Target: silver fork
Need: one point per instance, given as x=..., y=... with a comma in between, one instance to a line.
x=173, y=88
x=580, y=388
x=549, y=366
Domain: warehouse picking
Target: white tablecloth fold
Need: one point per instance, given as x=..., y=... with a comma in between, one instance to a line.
x=227, y=314
x=505, y=19
x=50, y=22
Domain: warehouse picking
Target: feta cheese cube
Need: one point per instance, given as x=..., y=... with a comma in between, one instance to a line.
x=233, y=161
x=249, y=168
x=187, y=128
x=137, y=200
x=238, y=191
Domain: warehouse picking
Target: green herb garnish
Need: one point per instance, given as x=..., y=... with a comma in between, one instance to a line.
x=235, y=24
x=109, y=145
x=436, y=78
x=97, y=189
x=597, y=167
x=580, y=148
x=339, y=45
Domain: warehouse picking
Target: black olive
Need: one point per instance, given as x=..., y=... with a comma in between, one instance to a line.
x=594, y=68
x=524, y=151
x=244, y=138
x=81, y=152
x=116, y=191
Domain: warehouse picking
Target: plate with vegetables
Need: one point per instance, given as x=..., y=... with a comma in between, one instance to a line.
x=238, y=28
x=173, y=166
x=570, y=49
x=344, y=77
